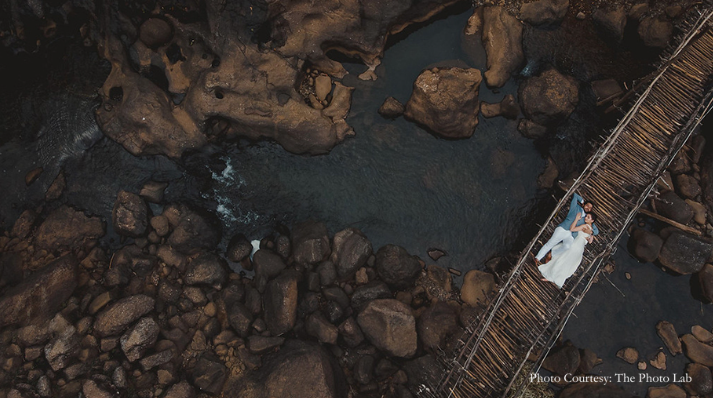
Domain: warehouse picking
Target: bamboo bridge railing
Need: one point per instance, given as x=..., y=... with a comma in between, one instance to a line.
x=527, y=315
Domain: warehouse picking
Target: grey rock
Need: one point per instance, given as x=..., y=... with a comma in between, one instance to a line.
x=705, y=280
x=67, y=228
x=118, y=316
x=40, y=296
x=548, y=98
x=702, y=380
x=351, y=333
x=391, y=108
x=611, y=23
x=92, y=390
x=118, y=378
x=298, y=370
x=157, y=359
x=152, y=191
x=209, y=375
x=370, y=291
x=436, y=324
x=390, y=326
x=350, y=250
x=672, y=206
x=280, y=302
x=502, y=39
x=206, y=269
x=310, y=242
x=239, y=248
x=139, y=338
x=267, y=264
x=327, y=273
x=684, y=253
x=562, y=360
x=261, y=345
x=655, y=31
x=192, y=230
x=63, y=348
x=544, y=12
x=336, y=294
x=317, y=326
x=668, y=335
x=396, y=267
x=130, y=216
x=181, y=390
x=645, y=245
x=364, y=369
x=451, y=111
x=239, y=318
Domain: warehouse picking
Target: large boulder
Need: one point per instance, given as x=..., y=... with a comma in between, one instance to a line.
x=687, y=186
x=130, y=216
x=697, y=351
x=206, y=269
x=396, y=267
x=562, y=360
x=350, y=251
x=436, y=324
x=548, y=98
x=655, y=31
x=645, y=245
x=267, y=264
x=39, y=296
x=684, y=253
x=67, y=228
x=118, y=316
x=611, y=22
x=280, y=303
x=477, y=286
x=672, y=206
x=502, y=39
x=701, y=383
x=544, y=12
x=192, y=230
x=445, y=100
x=310, y=242
x=298, y=370
x=390, y=326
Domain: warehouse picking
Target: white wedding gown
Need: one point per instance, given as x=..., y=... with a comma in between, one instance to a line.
x=564, y=263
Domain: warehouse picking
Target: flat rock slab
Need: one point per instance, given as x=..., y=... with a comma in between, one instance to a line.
x=684, y=253
x=41, y=295
x=697, y=351
x=117, y=317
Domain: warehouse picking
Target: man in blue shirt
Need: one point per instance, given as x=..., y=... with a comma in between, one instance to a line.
x=562, y=232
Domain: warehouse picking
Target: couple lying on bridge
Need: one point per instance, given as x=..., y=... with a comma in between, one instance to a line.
x=567, y=242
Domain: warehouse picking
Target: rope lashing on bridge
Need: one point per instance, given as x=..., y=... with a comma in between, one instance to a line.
x=527, y=315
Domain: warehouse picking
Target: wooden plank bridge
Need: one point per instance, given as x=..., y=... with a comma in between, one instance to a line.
x=527, y=315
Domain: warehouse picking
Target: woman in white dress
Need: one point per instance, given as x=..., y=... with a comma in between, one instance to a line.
x=565, y=263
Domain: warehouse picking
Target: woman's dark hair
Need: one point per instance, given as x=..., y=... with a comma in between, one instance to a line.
x=594, y=216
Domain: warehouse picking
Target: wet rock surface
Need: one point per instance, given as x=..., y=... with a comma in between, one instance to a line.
x=445, y=100
x=548, y=98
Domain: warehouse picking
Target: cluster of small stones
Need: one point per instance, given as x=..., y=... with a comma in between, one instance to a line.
x=696, y=378
x=166, y=315
x=316, y=88
x=681, y=245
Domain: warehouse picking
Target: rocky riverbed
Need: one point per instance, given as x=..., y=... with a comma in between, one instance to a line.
x=141, y=284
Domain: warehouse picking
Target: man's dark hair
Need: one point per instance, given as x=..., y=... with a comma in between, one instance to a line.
x=587, y=201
